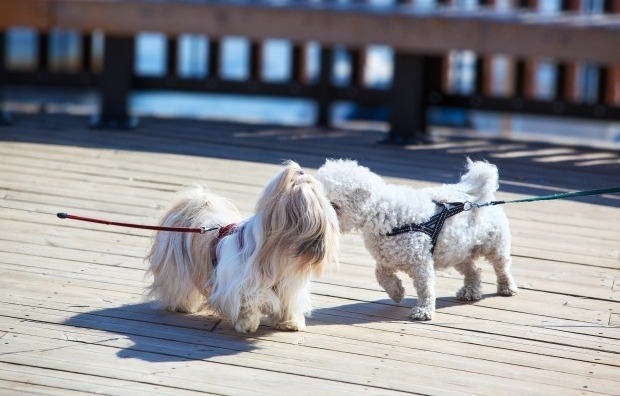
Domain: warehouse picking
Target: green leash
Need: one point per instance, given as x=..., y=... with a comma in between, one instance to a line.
x=550, y=197
x=432, y=227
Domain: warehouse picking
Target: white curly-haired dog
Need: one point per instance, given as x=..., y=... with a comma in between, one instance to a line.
x=246, y=268
x=365, y=202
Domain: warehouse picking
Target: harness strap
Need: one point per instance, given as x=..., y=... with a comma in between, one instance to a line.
x=432, y=227
x=224, y=232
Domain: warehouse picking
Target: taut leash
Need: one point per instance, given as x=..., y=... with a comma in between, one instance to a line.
x=573, y=194
x=432, y=227
x=200, y=230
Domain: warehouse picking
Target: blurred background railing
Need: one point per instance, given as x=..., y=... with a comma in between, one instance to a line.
x=402, y=87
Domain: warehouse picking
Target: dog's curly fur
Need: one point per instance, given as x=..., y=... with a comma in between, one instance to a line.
x=263, y=268
x=365, y=202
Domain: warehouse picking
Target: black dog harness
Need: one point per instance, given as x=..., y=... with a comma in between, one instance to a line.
x=432, y=227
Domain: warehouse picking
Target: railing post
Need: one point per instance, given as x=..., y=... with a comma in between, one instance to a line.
x=256, y=63
x=299, y=74
x=407, y=99
x=566, y=85
x=323, y=118
x=172, y=57
x=115, y=83
x=214, y=71
x=5, y=118
x=611, y=73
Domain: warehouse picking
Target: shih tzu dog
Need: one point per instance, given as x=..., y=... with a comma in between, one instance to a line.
x=246, y=268
x=403, y=228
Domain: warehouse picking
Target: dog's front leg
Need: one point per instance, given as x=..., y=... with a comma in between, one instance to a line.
x=293, y=304
x=390, y=282
x=423, y=276
x=248, y=320
x=292, y=322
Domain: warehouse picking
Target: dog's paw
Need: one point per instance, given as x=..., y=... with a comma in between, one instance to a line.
x=397, y=293
x=247, y=326
x=467, y=293
x=290, y=325
x=419, y=313
x=507, y=290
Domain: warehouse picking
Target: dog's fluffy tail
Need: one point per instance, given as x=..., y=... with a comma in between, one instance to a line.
x=180, y=263
x=481, y=180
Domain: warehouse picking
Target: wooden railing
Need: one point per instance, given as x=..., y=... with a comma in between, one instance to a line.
x=425, y=41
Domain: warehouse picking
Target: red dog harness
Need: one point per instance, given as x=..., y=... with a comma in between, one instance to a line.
x=225, y=231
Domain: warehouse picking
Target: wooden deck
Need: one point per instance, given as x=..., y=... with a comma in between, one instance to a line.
x=73, y=319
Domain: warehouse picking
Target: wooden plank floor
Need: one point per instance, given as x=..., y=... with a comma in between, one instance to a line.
x=73, y=319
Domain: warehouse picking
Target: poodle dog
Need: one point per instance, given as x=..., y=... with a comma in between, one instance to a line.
x=250, y=267
x=400, y=226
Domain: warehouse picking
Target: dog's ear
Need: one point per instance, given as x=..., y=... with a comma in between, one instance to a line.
x=360, y=196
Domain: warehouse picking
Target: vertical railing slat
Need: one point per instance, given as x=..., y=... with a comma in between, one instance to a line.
x=612, y=72
x=567, y=71
x=86, y=41
x=172, y=56
x=116, y=83
x=5, y=118
x=408, y=100
x=215, y=58
x=256, y=59
x=484, y=64
x=299, y=73
x=323, y=118
x=43, y=47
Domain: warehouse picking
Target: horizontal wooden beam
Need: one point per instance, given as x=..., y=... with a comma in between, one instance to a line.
x=565, y=37
x=29, y=13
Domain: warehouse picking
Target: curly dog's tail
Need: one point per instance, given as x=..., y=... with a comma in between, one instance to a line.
x=480, y=181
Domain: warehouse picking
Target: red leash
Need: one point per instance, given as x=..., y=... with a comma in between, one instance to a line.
x=200, y=230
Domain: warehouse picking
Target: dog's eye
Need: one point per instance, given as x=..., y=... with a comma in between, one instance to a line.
x=336, y=207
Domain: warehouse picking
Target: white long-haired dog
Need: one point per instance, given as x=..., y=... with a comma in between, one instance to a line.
x=390, y=219
x=250, y=267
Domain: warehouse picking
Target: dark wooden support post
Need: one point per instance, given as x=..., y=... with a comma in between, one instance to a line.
x=43, y=48
x=87, y=55
x=116, y=83
x=603, y=86
x=299, y=73
x=5, y=118
x=215, y=62
x=610, y=74
x=484, y=75
x=408, y=98
x=519, y=88
x=566, y=83
x=325, y=81
x=256, y=61
x=527, y=67
x=358, y=64
x=172, y=54
x=43, y=61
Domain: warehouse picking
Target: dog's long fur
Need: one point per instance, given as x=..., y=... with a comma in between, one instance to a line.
x=264, y=267
x=365, y=202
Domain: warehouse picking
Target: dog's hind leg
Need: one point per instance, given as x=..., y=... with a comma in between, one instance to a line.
x=390, y=282
x=423, y=276
x=471, y=282
x=502, y=262
x=506, y=285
